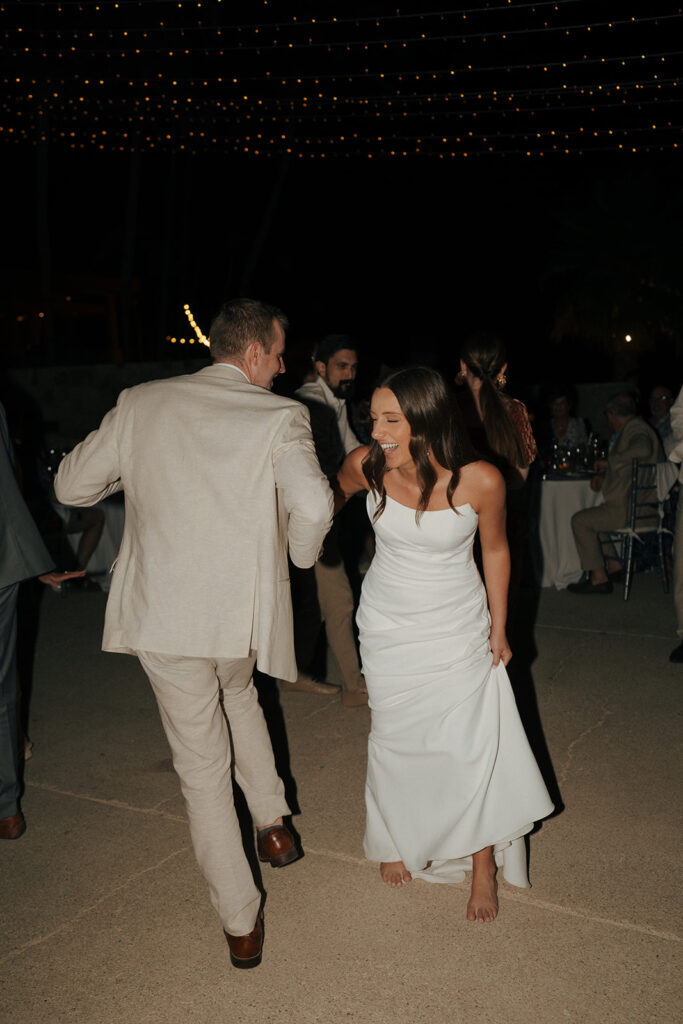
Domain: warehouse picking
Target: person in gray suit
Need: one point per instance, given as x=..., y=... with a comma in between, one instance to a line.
x=220, y=479
x=22, y=556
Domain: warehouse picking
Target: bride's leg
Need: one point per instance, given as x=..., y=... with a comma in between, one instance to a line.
x=395, y=873
x=483, y=903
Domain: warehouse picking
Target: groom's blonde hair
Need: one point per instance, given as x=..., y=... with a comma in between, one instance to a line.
x=239, y=323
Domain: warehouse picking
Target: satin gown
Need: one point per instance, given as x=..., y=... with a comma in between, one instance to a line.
x=450, y=770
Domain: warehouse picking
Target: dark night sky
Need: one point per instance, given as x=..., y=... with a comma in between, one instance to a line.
x=401, y=254
x=409, y=254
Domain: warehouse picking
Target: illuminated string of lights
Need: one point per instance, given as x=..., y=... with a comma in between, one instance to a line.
x=346, y=44
x=201, y=337
x=101, y=5
x=283, y=100
x=413, y=74
x=317, y=112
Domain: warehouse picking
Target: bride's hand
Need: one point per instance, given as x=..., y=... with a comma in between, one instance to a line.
x=500, y=648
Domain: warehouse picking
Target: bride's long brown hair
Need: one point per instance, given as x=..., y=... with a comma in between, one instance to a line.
x=435, y=424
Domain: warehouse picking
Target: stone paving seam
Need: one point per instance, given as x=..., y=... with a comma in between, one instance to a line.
x=606, y=632
x=564, y=772
x=644, y=929
x=118, y=804
x=93, y=906
x=539, y=904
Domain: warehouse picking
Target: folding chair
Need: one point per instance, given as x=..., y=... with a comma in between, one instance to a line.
x=645, y=520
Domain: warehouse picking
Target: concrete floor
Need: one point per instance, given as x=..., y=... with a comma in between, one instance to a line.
x=106, y=919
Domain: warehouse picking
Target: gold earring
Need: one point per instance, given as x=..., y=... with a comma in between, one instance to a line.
x=460, y=377
x=501, y=380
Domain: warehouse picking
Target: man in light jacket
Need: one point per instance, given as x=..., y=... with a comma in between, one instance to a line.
x=632, y=438
x=220, y=479
x=676, y=456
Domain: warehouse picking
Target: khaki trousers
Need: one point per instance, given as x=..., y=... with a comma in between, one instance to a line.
x=587, y=524
x=205, y=751
x=336, y=609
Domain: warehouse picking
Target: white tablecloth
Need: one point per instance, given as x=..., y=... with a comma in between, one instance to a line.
x=560, y=499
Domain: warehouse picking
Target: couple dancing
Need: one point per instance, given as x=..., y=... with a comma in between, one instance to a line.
x=220, y=480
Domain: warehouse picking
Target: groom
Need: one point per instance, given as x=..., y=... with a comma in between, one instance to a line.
x=220, y=479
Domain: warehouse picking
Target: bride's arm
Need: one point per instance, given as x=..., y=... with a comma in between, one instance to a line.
x=490, y=504
x=350, y=478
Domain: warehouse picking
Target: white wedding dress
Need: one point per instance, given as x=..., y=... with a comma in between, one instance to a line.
x=450, y=769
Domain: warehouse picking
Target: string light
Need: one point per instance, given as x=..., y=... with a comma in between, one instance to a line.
x=201, y=337
x=122, y=76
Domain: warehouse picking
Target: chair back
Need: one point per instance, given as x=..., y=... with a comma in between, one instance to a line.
x=645, y=507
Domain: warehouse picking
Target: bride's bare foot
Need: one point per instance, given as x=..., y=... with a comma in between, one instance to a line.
x=483, y=903
x=395, y=873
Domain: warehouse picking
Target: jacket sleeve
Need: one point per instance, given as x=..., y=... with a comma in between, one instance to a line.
x=676, y=453
x=92, y=470
x=302, y=487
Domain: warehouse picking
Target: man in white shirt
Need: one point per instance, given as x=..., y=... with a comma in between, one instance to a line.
x=336, y=362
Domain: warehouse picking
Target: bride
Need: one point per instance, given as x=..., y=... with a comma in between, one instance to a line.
x=452, y=785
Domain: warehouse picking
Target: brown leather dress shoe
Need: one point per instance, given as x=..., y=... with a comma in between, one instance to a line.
x=12, y=827
x=246, y=950
x=277, y=845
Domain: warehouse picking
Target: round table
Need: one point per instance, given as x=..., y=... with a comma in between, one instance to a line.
x=560, y=499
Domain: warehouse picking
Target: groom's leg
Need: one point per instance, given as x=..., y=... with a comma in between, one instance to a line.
x=187, y=692
x=254, y=763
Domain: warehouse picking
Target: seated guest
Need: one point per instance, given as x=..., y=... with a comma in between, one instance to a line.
x=632, y=438
x=661, y=400
x=676, y=457
x=561, y=427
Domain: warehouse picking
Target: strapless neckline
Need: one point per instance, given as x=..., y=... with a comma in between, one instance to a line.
x=431, y=511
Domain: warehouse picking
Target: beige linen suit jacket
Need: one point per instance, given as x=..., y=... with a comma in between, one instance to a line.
x=220, y=478
x=637, y=440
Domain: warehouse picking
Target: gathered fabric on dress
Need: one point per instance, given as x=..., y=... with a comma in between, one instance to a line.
x=450, y=770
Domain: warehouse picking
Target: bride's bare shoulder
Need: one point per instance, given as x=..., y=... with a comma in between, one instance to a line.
x=481, y=480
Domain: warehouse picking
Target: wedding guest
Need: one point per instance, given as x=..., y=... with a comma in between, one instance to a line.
x=560, y=426
x=452, y=785
x=660, y=402
x=631, y=438
x=336, y=362
x=499, y=425
x=676, y=456
x=220, y=479
x=23, y=555
x=500, y=431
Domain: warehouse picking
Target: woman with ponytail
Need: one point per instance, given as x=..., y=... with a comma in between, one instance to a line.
x=499, y=425
x=500, y=431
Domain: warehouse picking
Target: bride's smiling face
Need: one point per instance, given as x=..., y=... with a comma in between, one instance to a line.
x=390, y=428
